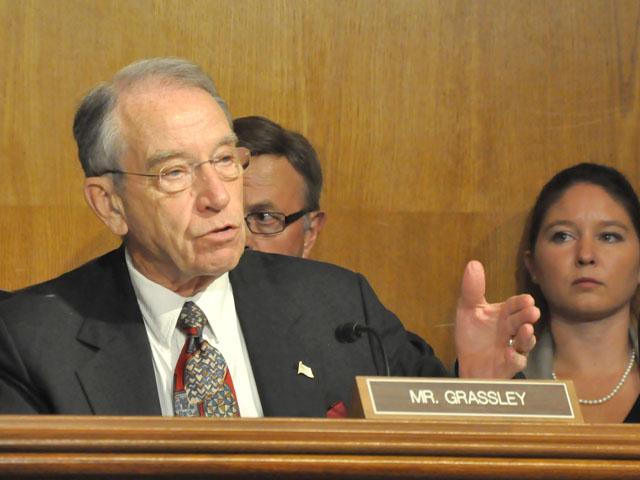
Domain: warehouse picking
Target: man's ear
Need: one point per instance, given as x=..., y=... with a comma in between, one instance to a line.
x=101, y=195
x=530, y=263
x=311, y=234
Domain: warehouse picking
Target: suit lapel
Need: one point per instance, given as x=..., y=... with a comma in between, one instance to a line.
x=120, y=378
x=270, y=320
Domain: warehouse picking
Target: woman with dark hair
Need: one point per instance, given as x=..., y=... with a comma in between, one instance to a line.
x=581, y=259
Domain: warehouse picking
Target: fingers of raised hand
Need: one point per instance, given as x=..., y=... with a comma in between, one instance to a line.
x=524, y=340
x=517, y=361
x=520, y=310
x=518, y=303
x=473, y=285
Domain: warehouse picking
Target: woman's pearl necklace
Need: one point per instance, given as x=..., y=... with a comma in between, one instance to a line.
x=611, y=394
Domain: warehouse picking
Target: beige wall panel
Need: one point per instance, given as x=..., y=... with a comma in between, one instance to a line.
x=437, y=121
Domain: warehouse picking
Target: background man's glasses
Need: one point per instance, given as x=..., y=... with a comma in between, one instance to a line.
x=271, y=223
x=176, y=175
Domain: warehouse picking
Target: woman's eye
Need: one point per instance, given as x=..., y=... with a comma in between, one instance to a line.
x=560, y=237
x=611, y=237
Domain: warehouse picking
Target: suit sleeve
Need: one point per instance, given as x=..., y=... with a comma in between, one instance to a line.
x=17, y=396
x=409, y=355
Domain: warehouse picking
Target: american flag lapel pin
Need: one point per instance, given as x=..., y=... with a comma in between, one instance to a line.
x=304, y=370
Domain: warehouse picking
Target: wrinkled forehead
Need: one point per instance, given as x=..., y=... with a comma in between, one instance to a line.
x=159, y=94
x=272, y=184
x=157, y=117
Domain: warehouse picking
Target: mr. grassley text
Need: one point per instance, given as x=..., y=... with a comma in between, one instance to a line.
x=470, y=397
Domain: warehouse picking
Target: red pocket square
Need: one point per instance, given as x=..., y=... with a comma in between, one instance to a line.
x=337, y=410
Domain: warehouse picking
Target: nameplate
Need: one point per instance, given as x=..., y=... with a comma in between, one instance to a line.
x=437, y=398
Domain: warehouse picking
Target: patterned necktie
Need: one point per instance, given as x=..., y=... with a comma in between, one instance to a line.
x=202, y=382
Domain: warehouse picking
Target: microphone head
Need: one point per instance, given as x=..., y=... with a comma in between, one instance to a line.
x=348, y=332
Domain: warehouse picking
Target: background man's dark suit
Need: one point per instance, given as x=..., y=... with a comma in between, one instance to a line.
x=83, y=348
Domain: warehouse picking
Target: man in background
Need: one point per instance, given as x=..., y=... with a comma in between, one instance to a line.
x=282, y=187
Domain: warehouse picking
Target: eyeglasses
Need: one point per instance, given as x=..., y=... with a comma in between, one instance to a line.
x=271, y=223
x=177, y=175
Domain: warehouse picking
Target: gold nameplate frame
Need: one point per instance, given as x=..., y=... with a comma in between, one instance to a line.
x=464, y=399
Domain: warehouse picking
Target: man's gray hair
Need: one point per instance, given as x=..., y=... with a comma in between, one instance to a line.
x=97, y=129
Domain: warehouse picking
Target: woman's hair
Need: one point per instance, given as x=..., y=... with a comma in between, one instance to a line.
x=611, y=181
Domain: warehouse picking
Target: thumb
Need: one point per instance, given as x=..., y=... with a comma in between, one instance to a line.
x=473, y=285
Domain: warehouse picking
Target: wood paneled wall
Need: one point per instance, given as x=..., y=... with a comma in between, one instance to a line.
x=436, y=121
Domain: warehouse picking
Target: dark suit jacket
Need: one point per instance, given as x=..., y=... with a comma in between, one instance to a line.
x=77, y=344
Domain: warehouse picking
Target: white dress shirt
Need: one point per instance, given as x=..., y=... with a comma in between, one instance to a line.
x=160, y=308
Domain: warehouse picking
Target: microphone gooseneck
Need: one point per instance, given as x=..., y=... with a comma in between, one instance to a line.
x=351, y=331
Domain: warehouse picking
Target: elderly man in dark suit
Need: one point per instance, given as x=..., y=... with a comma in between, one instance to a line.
x=180, y=319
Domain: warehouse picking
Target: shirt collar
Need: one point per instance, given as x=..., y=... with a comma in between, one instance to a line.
x=160, y=306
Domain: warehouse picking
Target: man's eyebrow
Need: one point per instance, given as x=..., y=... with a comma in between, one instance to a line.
x=229, y=139
x=164, y=155
x=261, y=207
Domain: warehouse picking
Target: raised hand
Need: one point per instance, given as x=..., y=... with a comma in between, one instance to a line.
x=492, y=339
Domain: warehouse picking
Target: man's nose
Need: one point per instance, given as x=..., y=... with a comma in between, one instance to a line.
x=212, y=191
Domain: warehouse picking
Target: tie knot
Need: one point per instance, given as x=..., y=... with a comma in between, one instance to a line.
x=191, y=319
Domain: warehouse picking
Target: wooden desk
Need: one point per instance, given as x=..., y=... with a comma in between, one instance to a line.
x=110, y=447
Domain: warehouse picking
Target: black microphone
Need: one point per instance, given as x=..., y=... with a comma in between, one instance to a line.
x=350, y=332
